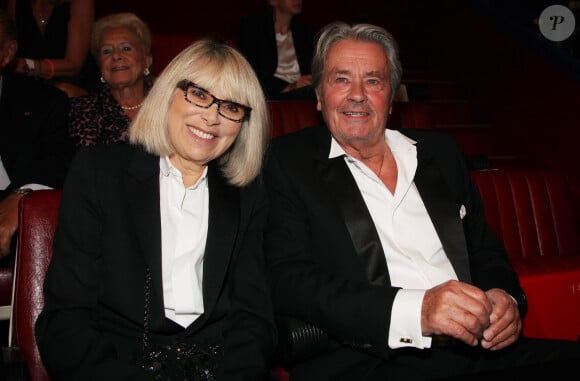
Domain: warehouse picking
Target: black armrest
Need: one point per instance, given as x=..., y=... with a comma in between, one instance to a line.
x=298, y=340
x=13, y=366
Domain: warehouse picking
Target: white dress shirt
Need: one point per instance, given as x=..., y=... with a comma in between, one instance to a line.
x=184, y=224
x=413, y=251
x=288, y=68
x=4, y=179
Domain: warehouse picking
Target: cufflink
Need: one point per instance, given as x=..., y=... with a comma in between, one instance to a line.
x=405, y=340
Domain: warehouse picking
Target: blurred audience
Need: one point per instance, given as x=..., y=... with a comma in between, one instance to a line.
x=121, y=44
x=34, y=146
x=279, y=48
x=54, y=42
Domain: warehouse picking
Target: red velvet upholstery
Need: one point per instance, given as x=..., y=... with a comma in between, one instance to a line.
x=458, y=119
x=292, y=115
x=38, y=217
x=6, y=276
x=164, y=47
x=534, y=213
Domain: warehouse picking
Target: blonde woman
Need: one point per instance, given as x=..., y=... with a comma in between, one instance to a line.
x=157, y=270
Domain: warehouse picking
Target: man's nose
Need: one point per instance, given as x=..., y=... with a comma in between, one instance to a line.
x=357, y=92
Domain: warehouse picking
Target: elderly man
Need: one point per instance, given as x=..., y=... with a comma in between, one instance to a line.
x=35, y=148
x=379, y=238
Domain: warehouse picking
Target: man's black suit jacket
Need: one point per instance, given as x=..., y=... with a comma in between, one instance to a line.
x=109, y=233
x=257, y=42
x=319, y=232
x=35, y=146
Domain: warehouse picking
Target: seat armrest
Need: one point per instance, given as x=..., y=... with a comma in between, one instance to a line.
x=13, y=365
x=298, y=340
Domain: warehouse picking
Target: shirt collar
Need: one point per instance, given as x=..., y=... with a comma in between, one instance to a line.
x=166, y=168
x=395, y=140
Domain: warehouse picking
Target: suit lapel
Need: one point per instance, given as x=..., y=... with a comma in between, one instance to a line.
x=141, y=185
x=335, y=174
x=224, y=220
x=444, y=213
x=142, y=193
x=436, y=196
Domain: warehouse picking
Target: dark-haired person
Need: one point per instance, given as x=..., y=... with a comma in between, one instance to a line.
x=54, y=42
x=35, y=149
x=279, y=47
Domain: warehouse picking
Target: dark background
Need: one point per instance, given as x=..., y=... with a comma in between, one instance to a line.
x=526, y=86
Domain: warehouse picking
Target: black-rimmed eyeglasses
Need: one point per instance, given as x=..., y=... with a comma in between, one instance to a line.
x=202, y=98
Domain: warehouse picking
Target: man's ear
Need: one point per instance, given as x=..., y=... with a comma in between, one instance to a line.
x=318, y=103
x=8, y=52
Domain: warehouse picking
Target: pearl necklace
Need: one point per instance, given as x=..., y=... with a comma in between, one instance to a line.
x=131, y=108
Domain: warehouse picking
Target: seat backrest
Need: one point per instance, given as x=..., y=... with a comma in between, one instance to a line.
x=292, y=115
x=287, y=116
x=164, y=47
x=37, y=223
x=532, y=211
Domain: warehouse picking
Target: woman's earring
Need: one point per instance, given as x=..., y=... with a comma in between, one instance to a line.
x=102, y=80
x=146, y=71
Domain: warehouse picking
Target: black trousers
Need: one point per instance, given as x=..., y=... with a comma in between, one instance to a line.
x=533, y=358
x=554, y=359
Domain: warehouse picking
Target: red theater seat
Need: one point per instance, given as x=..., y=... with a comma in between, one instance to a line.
x=38, y=219
x=535, y=215
x=292, y=115
x=6, y=279
x=164, y=47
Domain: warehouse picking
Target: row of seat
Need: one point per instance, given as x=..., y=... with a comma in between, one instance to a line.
x=429, y=103
x=532, y=212
x=535, y=214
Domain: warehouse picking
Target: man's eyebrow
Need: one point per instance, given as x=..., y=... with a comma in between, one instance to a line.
x=340, y=71
x=375, y=73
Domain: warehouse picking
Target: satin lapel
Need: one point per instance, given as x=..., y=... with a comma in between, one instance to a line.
x=444, y=214
x=357, y=219
x=224, y=221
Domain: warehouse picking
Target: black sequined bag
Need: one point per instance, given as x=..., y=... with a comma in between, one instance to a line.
x=185, y=361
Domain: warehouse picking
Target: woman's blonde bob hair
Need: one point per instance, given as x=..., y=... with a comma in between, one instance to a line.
x=223, y=71
x=121, y=20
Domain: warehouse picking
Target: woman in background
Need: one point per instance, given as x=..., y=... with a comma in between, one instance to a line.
x=121, y=45
x=157, y=271
x=279, y=48
x=53, y=42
